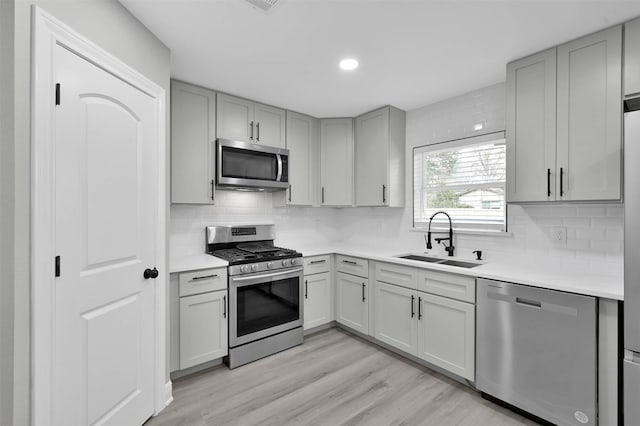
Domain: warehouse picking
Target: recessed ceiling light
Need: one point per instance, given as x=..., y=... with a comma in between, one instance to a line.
x=348, y=64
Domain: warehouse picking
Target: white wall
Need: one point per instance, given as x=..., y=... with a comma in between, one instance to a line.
x=111, y=26
x=295, y=226
x=6, y=212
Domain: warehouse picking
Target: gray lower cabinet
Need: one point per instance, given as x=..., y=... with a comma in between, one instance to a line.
x=318, y=291
x=198, y=313
x=193, y=136
x=437, y=329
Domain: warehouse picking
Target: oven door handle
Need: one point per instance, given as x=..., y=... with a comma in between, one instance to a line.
x=279, y=176
x=267, y=277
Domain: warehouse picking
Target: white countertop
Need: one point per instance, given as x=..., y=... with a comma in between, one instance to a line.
x=195, y=262
x=537, y=274
x=534, y=273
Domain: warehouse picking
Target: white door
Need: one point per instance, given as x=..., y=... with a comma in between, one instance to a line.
x=353, y=303
x=396, y=315
x=446, y=334
x=317, y=300
x=302, y=146
x=372, y=158
x=105, y=218
x=336, y=161
x=235, y=118
x=270, y=125
x=531, y=128
x=203, y=328
x=589, y=140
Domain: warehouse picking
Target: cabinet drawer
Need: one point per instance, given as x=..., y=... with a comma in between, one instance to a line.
x=448, y=285
x=203, y=281
x=317, y=264
x=398, y=275
x=353, y=266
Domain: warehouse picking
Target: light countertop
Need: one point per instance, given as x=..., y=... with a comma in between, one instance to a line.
x=537, y=274
x=195, y=262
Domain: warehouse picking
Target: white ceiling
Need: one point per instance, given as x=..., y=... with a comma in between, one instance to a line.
x=412, y=53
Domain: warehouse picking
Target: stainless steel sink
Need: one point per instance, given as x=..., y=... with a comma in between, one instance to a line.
x=459, y=263
x=422, y=258
x=440, y=261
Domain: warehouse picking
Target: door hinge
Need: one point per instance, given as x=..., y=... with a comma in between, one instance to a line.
x=57, y=93
x=57, y=266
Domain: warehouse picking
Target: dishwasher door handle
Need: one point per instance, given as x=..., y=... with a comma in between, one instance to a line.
x=528, y=302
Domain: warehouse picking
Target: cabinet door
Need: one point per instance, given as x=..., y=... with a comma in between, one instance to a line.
x=336, y=162
x=235, y=118
x=632, y=57
x=589, y=141
x=302, y=146
x=372, y=158
x=531, y=128
x=270, y=125
x=317, y=300
x=193, y=118
x=446, y=334
x=353, y=303
x=203, y=328
x=395, y=316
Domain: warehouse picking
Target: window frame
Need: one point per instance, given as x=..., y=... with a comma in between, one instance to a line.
x=440, y=223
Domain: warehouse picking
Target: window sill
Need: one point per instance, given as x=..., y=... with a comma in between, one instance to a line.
x=465, y=231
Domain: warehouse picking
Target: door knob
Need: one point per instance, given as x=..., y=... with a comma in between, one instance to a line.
x=151, y=273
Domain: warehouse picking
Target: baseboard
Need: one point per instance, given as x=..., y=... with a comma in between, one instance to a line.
x=178, y=374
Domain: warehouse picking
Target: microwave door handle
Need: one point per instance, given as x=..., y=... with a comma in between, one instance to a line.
x=279, y=177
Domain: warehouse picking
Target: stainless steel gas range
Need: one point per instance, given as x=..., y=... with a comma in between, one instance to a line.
x=265, y=291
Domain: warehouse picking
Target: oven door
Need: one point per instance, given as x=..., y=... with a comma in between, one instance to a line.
x=264, y=304
x=242, y=164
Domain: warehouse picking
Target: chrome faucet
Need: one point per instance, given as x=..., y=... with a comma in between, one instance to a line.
x=449, y=249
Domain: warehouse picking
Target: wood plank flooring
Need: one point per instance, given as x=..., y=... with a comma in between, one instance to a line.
x=334, y=378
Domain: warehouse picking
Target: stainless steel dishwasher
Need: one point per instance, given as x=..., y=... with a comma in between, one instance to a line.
x=536, y=349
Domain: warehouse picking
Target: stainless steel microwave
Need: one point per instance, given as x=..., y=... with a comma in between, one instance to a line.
x=244, y=165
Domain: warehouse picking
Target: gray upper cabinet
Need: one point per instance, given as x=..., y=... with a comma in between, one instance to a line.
x=589, y=140
x=380, y=158
x=302, y=143
x=632, y=57
x=531, y=127
x=244, y=120
x=193, y=118
x=564, y=118
x=336, y=161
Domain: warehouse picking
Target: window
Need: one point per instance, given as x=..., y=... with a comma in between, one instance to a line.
x=465, y=178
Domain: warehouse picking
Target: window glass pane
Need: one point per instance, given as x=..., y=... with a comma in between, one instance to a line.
x=465, y=178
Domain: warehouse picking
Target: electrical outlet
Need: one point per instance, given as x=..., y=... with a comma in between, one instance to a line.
x=559, y=234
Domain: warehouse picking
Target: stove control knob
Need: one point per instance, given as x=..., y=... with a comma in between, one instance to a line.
x=254, y=267
x=244, y=268
x=293, y=262
x=285, y=262
x=269, y=265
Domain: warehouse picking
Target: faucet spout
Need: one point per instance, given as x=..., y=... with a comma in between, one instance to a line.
x=450, y=248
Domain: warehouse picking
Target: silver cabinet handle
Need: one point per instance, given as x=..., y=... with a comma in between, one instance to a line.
x=350, y=262
x=306, y=289
x=213, y=184
x=384, y=194
x=258, y=131
x=251, y=124
x=289, y=192
x=363, y=288
x=313, y=262
x=323, y=195
x=224, y=306
x=204, y=277
x=413, y=311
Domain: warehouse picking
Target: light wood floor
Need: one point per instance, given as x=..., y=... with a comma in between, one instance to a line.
x=334, y=378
